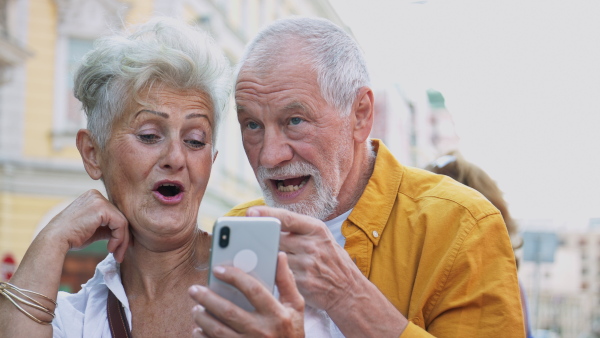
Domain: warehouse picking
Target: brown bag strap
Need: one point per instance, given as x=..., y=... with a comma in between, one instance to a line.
x=116, y=317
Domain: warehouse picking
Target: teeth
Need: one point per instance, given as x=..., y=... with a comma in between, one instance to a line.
x=168, y=185
x=289, y=188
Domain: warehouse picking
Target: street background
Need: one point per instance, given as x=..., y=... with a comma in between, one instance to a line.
x=513, y=85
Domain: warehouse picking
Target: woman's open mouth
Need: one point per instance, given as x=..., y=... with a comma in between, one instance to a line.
x=168, y=192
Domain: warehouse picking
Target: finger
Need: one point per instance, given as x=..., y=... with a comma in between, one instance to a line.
x=259, y=296
x=292, y=244
x=208, y=325
x=286, y=284
x=316, y=243
x=290, y=221
x=121, y=249
x=219, y=309
x=197, y=333
x=119, y=233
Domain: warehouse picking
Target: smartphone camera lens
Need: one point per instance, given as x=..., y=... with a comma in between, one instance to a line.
x=224, y=237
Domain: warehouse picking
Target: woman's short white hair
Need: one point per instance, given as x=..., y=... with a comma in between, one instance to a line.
x=162, y=51
x=335, y=56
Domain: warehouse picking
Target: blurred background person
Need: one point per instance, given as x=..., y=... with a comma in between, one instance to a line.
x=455, y=166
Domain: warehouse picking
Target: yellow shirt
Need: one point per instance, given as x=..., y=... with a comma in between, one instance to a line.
x=438, y=250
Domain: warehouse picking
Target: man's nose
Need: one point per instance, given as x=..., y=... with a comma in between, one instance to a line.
x=276, y=149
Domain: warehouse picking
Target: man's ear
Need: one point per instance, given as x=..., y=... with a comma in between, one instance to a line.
x=364, y=113
x=90, y=153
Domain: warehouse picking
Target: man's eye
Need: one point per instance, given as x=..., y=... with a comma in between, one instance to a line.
x=149, y=138
x=294, y=121
x=252, y=125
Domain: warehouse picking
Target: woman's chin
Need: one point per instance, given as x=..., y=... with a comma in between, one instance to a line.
x=166, y=228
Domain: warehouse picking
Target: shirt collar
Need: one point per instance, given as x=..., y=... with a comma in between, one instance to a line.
x=110, y=271
x=373, y=209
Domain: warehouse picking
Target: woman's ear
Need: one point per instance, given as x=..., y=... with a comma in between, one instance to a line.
x=364, y=112
x=90, y=153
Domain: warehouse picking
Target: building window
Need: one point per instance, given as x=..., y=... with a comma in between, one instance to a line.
x=74, y=118
x=80, y=23
x=4, y=18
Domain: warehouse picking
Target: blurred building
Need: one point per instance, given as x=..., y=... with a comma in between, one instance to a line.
x=416, y=126
x=564, y=295
x=41, y=44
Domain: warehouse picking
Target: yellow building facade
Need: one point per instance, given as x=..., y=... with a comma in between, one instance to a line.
x=41, y=42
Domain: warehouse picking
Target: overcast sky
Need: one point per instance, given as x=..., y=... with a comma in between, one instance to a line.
x=521, y=79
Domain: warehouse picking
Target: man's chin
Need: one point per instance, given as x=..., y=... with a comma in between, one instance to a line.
x=303, y=208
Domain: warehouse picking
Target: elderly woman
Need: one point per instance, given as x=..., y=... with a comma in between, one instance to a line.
x=153, y=101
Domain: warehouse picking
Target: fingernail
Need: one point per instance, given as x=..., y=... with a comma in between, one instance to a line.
x=219, y=270
x=197, y=288
x=198, y=308
x=252, y=212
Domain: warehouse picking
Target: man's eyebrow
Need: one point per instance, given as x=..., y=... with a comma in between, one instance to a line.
x=161, y=114
x=296, y=106
x=239, y=108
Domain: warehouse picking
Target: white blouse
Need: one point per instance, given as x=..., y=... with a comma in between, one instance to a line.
x=83, y=314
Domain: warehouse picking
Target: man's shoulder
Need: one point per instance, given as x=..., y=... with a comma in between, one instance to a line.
x=240, y=209
x=429, y=189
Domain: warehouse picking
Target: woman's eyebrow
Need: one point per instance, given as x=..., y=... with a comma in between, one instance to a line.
x=197, y=115
x=166, y=116
x=161, y=114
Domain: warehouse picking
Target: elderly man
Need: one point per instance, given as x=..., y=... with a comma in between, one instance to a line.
x=383, y=249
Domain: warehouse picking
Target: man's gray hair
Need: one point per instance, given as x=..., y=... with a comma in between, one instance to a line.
x=162, y=51
x=334, y=55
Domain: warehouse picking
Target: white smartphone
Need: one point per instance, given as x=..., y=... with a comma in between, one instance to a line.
x=250, y=244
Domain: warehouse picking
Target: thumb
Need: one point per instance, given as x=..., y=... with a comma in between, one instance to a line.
x=286, y=284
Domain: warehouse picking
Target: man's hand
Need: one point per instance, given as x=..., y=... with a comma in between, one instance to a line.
x=329, y=280
x=218, y=317
x=323, y=271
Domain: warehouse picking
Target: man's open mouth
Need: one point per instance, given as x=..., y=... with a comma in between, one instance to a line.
x=291, y=184
x=169, y=189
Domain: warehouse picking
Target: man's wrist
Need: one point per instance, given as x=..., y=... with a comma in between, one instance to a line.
x=364, y=311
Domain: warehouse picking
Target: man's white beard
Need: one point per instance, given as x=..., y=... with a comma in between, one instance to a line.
x=318, y=205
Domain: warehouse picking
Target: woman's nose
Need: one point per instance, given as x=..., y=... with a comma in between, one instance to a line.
x=173, y=157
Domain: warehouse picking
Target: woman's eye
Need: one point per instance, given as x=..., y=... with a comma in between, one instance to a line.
x=149, y=138
x=252, y=125
x=195, y=144
x=294, y=121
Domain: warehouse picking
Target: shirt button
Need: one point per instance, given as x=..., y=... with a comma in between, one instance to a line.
x=375, y=234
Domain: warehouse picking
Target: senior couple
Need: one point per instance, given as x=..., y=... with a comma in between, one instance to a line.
x=369, y=247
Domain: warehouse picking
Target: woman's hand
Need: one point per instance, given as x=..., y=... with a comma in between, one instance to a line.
x=218, y=317
x=91, y=217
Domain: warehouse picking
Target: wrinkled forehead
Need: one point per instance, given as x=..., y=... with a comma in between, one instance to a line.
x=277, y=87
x=269, y=54
x=161, y=94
